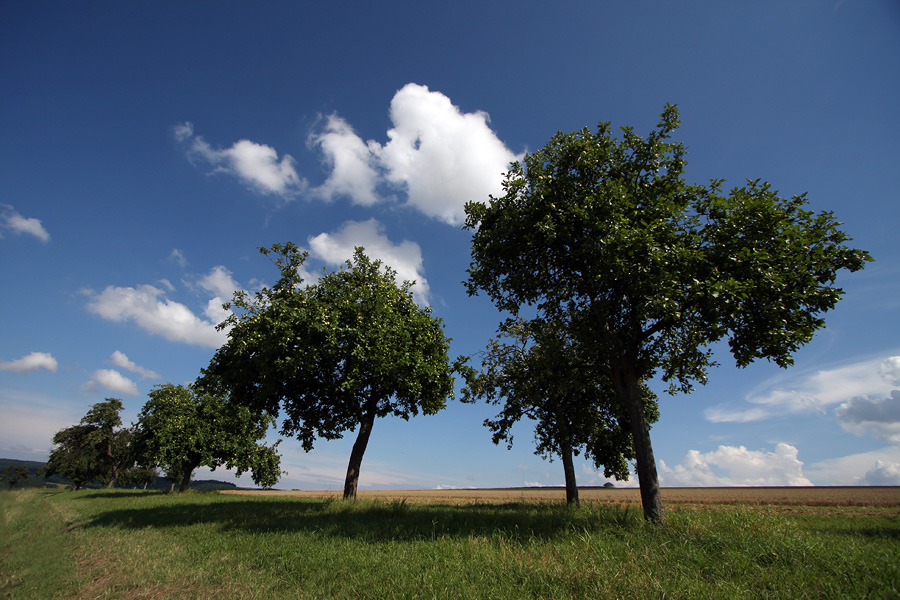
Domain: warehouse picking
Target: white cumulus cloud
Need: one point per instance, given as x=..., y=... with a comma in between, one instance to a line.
x=119, y=359
x=814, y=392
x=437, y=158
x=736, y=466
x=112, y=381
x=879, y=416
x=353, y=163
x=876, y=467
x=220, y=283
x=32, y=362
x=12, y=220
x=438, y=155
x=441, y=155
x=148, y=307
x=257, y=165
x=405, y=258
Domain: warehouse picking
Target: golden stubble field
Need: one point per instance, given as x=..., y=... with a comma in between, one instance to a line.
x=875, y=497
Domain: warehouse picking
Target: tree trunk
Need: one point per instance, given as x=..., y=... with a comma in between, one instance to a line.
x=565, y=451
x=628, y=389
x=356, y=455
x=569, y=470
x=186, y=471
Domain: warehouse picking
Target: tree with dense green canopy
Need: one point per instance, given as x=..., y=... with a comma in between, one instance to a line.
x=181, y=428
x=14, y=474
x=93, y=450
x=541, y=374
x=334, y=355
x=591, y=223
x=139, y=476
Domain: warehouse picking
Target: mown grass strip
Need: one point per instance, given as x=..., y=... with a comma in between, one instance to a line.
x=35, y=559
x=152, y=545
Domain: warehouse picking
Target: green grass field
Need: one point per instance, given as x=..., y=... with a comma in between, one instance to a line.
x=124, y=544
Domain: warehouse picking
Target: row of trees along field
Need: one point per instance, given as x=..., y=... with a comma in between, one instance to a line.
x=625, y=270
x=179, y=429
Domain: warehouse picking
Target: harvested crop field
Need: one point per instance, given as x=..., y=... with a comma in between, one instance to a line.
x=876, y=497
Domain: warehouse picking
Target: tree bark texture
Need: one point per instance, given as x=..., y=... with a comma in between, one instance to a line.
x=569, y=470
x=629, y=391
x=356, y=455
x=565, y=450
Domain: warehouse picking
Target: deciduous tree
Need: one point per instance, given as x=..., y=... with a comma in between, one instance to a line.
x=14, y=474
x=334, y=356
x=181, y=428
x=94, y=450
x=535, y=369
x=609, y=226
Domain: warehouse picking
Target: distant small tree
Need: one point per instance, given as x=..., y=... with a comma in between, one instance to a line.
x=182, y=428
x=335, y=355
x=535, y=370
x=139, y=477
x=15, y=474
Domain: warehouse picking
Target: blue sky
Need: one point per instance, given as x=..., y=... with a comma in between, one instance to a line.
x=146, y=151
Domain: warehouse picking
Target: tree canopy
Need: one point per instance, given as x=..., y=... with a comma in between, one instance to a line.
x=334, y=355
x=535, y=369
x=13, y=475
x=609, y=227
x=181, y=428
x=95, y=449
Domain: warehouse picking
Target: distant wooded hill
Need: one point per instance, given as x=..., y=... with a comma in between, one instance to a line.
x=36, y=480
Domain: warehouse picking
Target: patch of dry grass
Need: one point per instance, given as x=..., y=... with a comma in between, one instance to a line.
x=873, y=497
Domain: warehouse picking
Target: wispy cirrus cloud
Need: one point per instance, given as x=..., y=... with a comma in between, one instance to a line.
x=815, y=392
x=119, y=359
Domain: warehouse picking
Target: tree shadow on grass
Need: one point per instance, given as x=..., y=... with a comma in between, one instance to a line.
x=887, y=531
x=374, y=521
x=88, y=495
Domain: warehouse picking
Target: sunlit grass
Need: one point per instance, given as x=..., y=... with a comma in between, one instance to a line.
x=153, y=545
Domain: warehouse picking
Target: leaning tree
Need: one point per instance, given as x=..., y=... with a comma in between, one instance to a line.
x=334, y=355
x=609, y=226
x=96, y=449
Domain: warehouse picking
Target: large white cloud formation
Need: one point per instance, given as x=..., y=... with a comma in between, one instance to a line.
x=736, y=466
x=29, y=363
x=876, y=467
x=442, y=156
x=437, y=157
x=404, y=258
